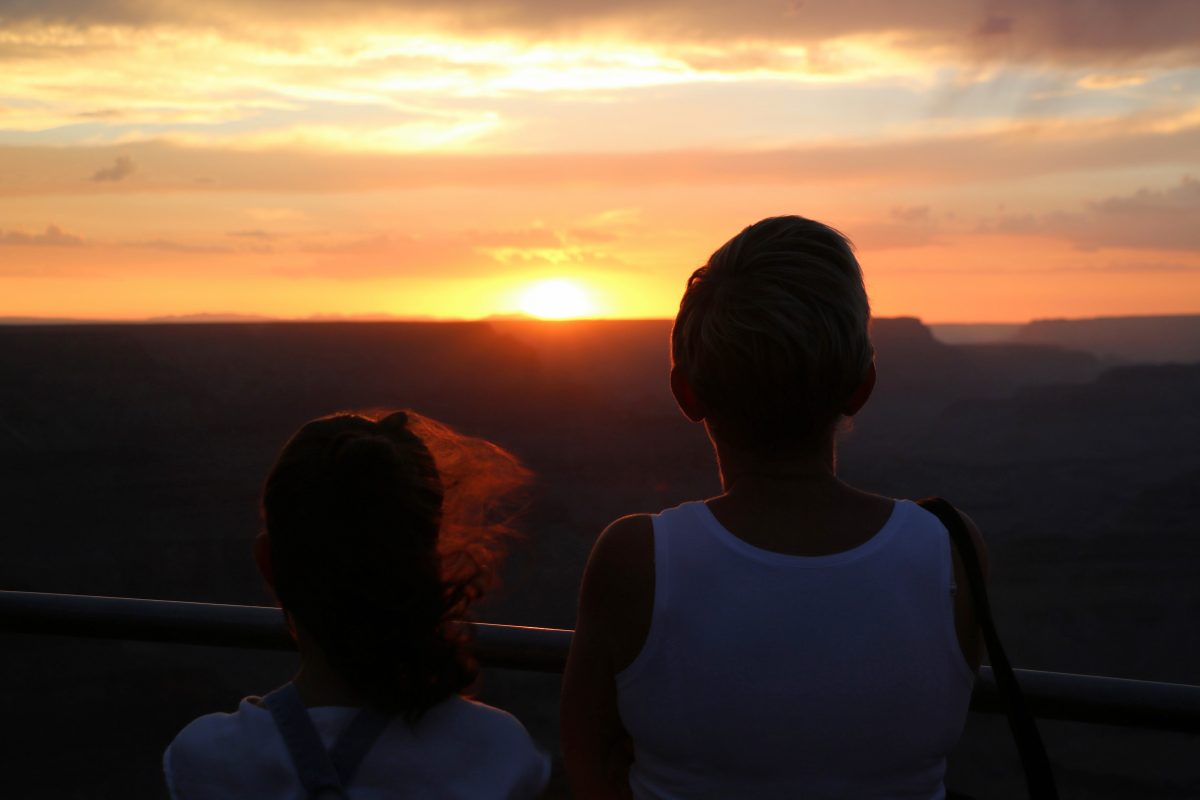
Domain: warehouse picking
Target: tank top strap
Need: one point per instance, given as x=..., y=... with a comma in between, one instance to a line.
x=323, y=774
x=356, y=741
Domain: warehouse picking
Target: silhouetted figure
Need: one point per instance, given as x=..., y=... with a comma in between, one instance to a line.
x=378, y=534
x=793, y=637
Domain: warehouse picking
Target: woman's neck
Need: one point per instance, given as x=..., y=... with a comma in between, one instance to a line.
x=794, y=503
x=743, y=471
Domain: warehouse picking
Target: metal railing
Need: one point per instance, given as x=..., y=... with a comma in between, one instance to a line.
x=1051, y=695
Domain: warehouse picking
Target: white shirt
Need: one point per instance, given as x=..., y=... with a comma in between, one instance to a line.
x=458, y=749
x=768, y=675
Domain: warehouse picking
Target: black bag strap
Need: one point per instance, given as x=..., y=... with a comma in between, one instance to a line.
x=1038, y=775
x=323, y=774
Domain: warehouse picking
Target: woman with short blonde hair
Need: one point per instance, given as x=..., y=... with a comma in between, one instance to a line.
x=793, y=636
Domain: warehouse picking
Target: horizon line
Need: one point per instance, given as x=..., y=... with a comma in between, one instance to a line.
x=205, y=318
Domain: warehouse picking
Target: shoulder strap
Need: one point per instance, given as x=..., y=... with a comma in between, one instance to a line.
x=322, y=774
x=1038, y=775
x=356, y=741
x=313, y=766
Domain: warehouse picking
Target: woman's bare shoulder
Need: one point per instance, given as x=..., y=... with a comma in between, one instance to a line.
x=617, y=596
x=625, y=540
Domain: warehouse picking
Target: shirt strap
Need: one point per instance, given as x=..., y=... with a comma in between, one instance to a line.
x=322, y=774
x=356, y=741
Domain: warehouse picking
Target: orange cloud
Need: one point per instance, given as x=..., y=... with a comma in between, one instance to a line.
x=1016, y=150
x=122, y=167
x=1159, y=219
x=52, y=236
x=1019, y=29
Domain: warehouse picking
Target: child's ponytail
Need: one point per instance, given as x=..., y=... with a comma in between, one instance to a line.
x=382, y=532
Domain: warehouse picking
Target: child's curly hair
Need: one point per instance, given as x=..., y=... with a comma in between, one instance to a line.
x=383, y=530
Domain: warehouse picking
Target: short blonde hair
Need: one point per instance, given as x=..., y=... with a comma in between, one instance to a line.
x=772, y=333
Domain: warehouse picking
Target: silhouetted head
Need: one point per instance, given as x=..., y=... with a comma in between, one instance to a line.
x=382, y=530
x=771, y=345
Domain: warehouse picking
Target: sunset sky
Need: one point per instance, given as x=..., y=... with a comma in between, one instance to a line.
x=992, y=161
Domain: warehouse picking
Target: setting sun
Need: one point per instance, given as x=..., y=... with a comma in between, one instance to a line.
x=556, y=299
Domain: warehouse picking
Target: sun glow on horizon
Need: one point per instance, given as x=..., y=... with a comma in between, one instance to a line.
x=556, y=298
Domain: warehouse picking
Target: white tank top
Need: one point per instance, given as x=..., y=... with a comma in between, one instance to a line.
x=767, y=675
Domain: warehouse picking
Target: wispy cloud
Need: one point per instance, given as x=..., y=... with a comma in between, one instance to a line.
x=419, y=76
x=169, y=246
x=904, y=227
x=52, y=236
x=910, y=214
x=1027, y=28
x=1017, y=149
x=256, y=234
x=1112, y=81
x=121, y=168
x=1158, y=219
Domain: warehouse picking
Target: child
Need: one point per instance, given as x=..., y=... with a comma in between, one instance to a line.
x=379, y=532
x=793, y=636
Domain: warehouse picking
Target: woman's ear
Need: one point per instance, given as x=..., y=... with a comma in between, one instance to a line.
x=862, y=394
x=262, y=557
x=685, y=396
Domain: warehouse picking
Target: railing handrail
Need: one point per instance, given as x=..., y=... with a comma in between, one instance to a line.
x=1051, y=695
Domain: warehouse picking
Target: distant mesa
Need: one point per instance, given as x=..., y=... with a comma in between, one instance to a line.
x=975, y=332
x=376, y=316
x=209, y=317
x=901, y=329
x=1124, y=340
x=517, y=316
x=46, y=321
x=1112, y=340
